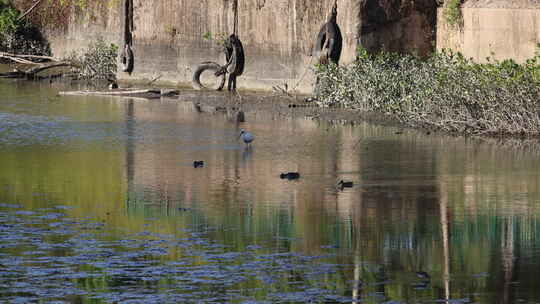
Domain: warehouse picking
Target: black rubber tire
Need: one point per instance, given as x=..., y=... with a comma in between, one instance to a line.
x=127, y=59
x=203, y=66
x=319, y=42
x=335, y=53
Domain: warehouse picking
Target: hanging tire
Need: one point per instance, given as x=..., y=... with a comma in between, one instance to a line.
x=319, y=42
x=207, y=66
x=127, y=59
x=322, y=54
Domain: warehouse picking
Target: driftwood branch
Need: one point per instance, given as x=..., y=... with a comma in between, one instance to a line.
x=114, y=93
x=32, y=72
x=38, y=69
x=132, y=92
x=25, y=59
x=16, y=59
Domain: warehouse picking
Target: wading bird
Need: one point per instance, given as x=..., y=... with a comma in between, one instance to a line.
x=246, y=137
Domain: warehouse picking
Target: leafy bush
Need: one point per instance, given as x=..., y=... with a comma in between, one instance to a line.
x=452, y=13
x=19, y=36
x=8, y=17
x=97, y=61
x=446, y=91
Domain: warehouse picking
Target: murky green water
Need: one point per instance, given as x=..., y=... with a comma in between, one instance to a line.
x=100, y=203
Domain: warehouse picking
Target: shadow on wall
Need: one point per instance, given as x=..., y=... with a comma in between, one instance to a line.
x=401, y=26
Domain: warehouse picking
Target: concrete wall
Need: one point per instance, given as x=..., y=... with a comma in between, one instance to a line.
x=168, y=35
x=276, y=34
x=99, y=19
x=501, y=32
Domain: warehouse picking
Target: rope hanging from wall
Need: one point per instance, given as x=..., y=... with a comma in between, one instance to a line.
x=127, y=56
x=235, y=60
x=234, y=53
x=235, y=10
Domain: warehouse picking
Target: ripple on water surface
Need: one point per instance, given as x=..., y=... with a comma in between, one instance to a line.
x=46, y=256
x=25, y=130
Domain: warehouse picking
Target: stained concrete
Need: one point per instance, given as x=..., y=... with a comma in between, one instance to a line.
x=169, y=38
x=169, y=35
x=495, y=29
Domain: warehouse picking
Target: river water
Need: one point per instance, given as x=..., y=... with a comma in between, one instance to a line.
x=100, y=203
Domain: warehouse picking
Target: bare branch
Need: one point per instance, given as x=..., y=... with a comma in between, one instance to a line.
x=29, y=10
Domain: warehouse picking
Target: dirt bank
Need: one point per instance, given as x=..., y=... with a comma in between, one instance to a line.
x=279, y=105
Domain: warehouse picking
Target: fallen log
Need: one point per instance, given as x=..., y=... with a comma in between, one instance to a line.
x=16, y=59
x=115, y=92
x=32, y=72
x=123, y=92
x=25, y=59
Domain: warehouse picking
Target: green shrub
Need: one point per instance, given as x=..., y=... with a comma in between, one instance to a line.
x=97, y=61
x=446, y=91
x=8, y=17
x=452, y=13
x=19, y=36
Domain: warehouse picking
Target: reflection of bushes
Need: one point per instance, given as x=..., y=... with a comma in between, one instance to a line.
x=446, y=91
x=97, y=61
x=18, y=35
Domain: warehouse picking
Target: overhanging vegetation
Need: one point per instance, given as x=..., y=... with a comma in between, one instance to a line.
x=446, y=91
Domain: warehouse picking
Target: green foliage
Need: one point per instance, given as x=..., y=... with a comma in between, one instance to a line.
x=97, y=61
x=218, y=38
x=19, y=36
x=452, y=13
x=8, y=18
x=446, y=91
x=207, y=36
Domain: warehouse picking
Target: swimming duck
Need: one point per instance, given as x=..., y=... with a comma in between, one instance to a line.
x=342, y=184
x=290, y=175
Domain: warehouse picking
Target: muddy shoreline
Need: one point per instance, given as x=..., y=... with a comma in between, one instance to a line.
x=272, y=103
x=296, y=106
x=292, y=106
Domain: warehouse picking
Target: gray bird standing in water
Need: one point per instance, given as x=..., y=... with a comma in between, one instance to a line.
x=246, y=137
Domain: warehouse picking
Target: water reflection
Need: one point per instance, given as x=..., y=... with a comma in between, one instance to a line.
x=428, y=219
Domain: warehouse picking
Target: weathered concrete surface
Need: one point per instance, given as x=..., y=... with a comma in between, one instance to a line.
x=169, y=35
x=69, y=27
x=398, y=25
x=277, y=37
x=496, y=29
